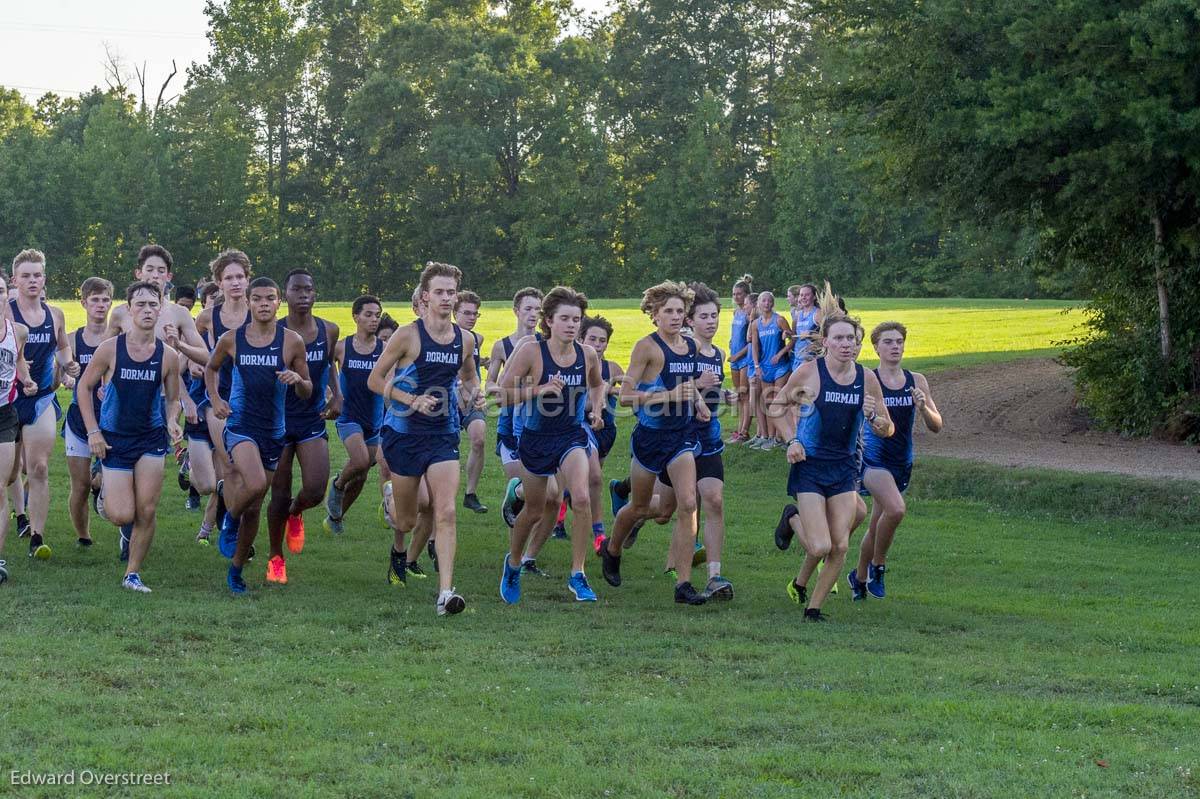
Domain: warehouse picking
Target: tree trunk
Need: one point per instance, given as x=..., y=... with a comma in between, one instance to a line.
x=1160, y=283
x=283, y=166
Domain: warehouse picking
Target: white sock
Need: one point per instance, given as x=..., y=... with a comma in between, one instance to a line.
x=714, y=568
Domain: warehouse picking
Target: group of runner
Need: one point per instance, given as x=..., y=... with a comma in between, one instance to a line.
x=255, y=392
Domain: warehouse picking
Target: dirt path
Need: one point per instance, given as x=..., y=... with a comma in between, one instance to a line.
x=1022, y=413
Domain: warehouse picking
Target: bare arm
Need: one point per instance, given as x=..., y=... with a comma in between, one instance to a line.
x=874, y=408
x=29, y=387
x=466, y=371
x=597, y=388
x=295, y=373
x=212, y=373
x=172, y=381
x=403, y=343
x=514, y=386
x=62, y=356
x=925, y=405
x=100, y=365
x=116, y=321
x=333, y=408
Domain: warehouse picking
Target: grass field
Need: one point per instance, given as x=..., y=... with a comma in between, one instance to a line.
x=1029, y=647
x=942, y=333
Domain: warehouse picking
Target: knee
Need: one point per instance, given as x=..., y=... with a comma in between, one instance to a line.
x=311, y=495
x=685, y=503
x=443, y=517
x=119, y=515
x=820, y=549
x=715, y=506
x=146, y=511
x=896, y=509
x=837, y=549
x=534, y=513
x=581, y=505
x=404, y=520
x=37, y=470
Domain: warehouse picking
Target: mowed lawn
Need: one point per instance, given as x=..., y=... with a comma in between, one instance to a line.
x=1029, y=646
x=942, y=333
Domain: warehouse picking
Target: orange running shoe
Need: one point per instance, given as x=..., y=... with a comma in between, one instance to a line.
x=277, y=570
x=295, y=534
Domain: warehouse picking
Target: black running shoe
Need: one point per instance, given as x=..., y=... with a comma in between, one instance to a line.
x=415, y=570
x=529, y=566
x=84, y=543
x=398, y=569
x=560, y=532
x=610, y=566
x=783, y=530
x=797, y=593
x=631, y=539
x=251, y=553
x=38, y=548
x=23, y=528
x=814, y=614
x=471, y=502
x=686, y=594
x=432, y=550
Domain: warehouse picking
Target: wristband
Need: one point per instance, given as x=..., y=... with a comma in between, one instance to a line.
x=93, y=433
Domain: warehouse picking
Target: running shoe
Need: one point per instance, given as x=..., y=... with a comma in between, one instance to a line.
x=699, y=555
x=615, y=496
x=560, y=531
x=736, y=438
x=84, y=543
x=783, y=530
x=295, y=533
x=529, y=566
x=202, y=537
x=671, y=574
x=227, y=542
x=333, y=526
x=192, y=502
x=511, y=505
x=398, y=568
x=753, y=443
x=333, y=500
x=126, y=532
x=875, y=580
x=185, y=472
x=415, y=570
x=38, y=548
x=599, y=541
x=631, y=539
x=610, y=567
x=98, y=505
x=768, y=444
x=385, y=515
x=3, y=572
x=277, y=570
x=250, y=553
x=578, y=585
x=449, y=603
x=233, y=579
x=814, y=614
x=220, y=501
x=23, y=528
x=858, y=589
x=133, y=582
x=471, y=502
x=510, y=583
x=686, y=594
x=431, y=548
x=797, y=593
x=719, y=588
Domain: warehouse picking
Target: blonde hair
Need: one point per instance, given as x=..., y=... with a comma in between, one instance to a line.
x=435, y=269
x=832, y=313
x=30, y=256
x=656, y=297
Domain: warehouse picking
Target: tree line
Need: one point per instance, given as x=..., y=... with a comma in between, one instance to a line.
x=898, y=149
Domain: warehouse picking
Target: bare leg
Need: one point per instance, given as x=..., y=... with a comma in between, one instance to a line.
x=80, y=470
x=146, y=483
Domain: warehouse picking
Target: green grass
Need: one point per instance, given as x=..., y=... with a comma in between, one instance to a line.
x=942, y=333
x=1028, y=635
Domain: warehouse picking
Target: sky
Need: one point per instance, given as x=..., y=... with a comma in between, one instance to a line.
x=59, y=45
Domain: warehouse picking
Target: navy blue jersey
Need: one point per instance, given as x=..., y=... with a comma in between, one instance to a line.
x=709, y=433
x=554, y=414
x=316, y=355
x=83, y=356
x=256, y=396
x=433, y=372
x=478, y=343
x=133, y=397
x=675, y=370
x=829, y=428
x=360, y=405
x=40, y=346
x=218, y=329
x=610, y=400
x=504, y=424
x=897, y=450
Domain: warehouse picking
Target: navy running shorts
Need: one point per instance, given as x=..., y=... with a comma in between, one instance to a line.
x=346, y=428
x=602, y=441
x=825, y=477
x=543, y=453
x=411, y=454
x=901, y=474
x=707, y=466
x=298, y=429
x=654, y=449
x=269, y=447
x=124, y=451
x=30, y=409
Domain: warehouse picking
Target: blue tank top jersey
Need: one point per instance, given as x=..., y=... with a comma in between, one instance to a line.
x=316, y=355
x=610, y=400
x=803, y=324
x=256, y=396
x=504, y=423
x=225, y=378
x=83, y=356
x=478, y=341
x=40, y=347
x=359, y=403
x=195, y=385
x=562, y=413
x=433, y=372
x=898, y=449
x=770, y=342
x=132, y=402
x=709, y=433
x=676, y=369
x=737, y=332
x=829, y=430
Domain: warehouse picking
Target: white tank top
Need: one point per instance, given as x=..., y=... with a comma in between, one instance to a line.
x=8, y=365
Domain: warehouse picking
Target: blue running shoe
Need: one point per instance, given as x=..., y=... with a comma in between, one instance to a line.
x=511, y=505
x=875, y=580
x=133, y=582
x=858, y=588
x=227, y=542
x=236, y=584
x=616, y=499
x=580, y=588
x=126, y=532
x=510, y=583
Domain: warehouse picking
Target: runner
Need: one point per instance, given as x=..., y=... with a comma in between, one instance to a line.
x=231, y=272
x=739, y=358
x=596, y=332
x=96, y=295
x=887, y=462
x=304, y=437
x=421, y=428
x=770, y=353
x=203, y=469
x=553, y=440
x=266, y=359
x=361, y=420
x=46, y=345
x=134, y=428
x=466, y=314
x=836, y=394
x=661, y=384
x=12, y=369
x=806, y=323
x=527, y=305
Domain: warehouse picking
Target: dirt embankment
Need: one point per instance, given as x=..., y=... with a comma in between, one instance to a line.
x=1022, y=413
